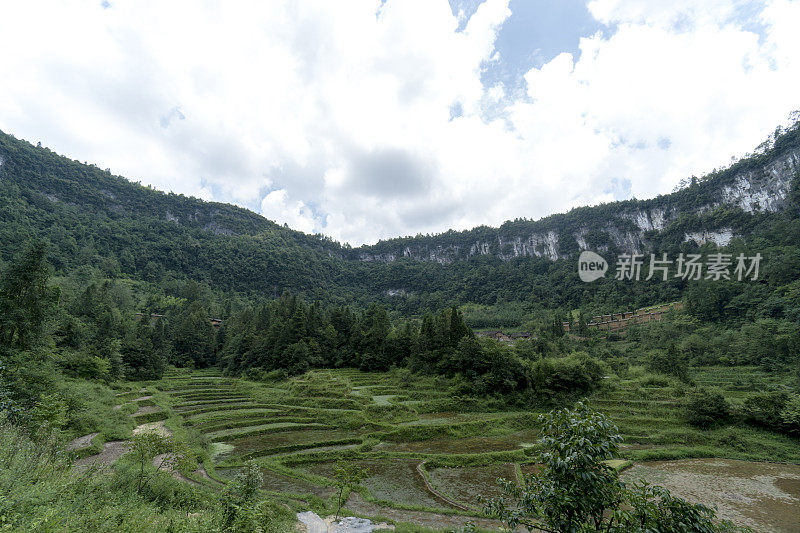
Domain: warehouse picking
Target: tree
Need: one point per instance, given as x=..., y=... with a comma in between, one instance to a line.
x=577, y=491
x=194, y=336
x=347, y=475
x=705, y=408
x=25, y=298
x=146, y=447
x=241, y=491
x=458, y=328
x=583, y=327
x=670, y=362
x=791, y=414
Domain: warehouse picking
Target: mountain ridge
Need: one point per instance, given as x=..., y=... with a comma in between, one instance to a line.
x=93, y=219
x=758, y=185
x=762, y=185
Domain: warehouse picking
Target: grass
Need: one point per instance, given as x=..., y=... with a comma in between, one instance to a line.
x=651, y=419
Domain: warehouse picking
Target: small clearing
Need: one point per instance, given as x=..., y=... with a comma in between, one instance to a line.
x=111, y=452
x=81, y=442
x=147, y=409
x=154, y=427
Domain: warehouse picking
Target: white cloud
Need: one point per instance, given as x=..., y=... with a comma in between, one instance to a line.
x=346, y=106
x=277, y=206
x=667, y=13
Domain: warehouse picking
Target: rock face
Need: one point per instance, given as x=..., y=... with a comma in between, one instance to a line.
x=753, y=189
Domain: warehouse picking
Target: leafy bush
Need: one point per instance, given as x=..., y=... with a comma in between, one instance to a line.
x=774, y=410
x=764, y=409
x=576, y=490
x=576, y=373
x=791, y=414
x=83, y=365
x=656, y=380
x=705, y=408
x=670, y=362
x=263, y=516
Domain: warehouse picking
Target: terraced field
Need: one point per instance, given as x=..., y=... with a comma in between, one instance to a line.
x=427, y=455
x=651, y=420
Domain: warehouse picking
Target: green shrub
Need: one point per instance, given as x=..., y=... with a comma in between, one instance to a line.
x=791, y=414
x=670, y=362
x=83, y=365
x=576, y=373
x=765, y=409
x=263, y=517
x=705, y=408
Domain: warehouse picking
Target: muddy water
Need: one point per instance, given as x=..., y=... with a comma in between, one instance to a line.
x=762, y=496
x=279, y=483
x=391, y=480
x=465, y=484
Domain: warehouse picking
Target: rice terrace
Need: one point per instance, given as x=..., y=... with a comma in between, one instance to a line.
x=428, y=455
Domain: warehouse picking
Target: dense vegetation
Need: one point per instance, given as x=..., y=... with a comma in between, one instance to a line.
x=107, y=286
x=121, y=229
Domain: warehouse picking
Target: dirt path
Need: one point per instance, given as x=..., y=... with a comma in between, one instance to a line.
x=81, y=442
x=111, y=452
x=155, y=427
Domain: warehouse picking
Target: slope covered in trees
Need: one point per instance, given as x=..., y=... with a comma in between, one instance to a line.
x=123, y=229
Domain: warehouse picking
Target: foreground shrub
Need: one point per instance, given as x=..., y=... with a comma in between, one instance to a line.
x=42, y=492
x=576, y=491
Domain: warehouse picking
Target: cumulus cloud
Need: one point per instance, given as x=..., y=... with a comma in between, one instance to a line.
x=277, y=206
x=371, y=119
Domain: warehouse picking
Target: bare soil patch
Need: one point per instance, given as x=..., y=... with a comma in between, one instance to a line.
x=156, y=427
x=81, y=442
x=147, y=409
x=111, y=452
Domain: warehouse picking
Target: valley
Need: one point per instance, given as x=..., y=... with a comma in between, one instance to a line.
x=429, y=455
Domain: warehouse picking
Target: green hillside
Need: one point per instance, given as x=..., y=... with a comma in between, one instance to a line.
x=92, y=218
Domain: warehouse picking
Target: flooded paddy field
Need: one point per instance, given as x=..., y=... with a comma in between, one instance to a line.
x=465, y=484
x=392, y=480
x=275, y=482
x=762, y=496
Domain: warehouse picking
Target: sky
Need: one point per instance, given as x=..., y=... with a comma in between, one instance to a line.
x=370, y=119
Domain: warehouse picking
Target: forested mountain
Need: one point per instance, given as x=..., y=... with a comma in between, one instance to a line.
x=725, y=204
x=91, y=217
